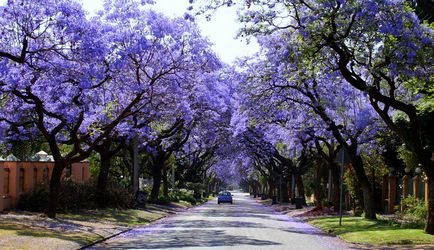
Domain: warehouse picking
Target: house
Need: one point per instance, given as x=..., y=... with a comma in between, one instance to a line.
x=18, y=177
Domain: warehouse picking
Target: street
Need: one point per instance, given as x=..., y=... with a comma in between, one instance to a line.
x=243, y=225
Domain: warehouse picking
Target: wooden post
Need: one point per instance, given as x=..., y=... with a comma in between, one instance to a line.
x=392, y=194
x=416, y=180
x=405, y=186
x=404, y=189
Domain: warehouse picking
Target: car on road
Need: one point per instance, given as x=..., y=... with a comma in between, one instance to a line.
x=224, y=196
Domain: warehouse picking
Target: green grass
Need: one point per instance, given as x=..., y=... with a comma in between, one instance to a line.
x=12, y=229
x=127, y=218
x=380, y=232
x=211, y=197
x=182, y=203
x=37, y=234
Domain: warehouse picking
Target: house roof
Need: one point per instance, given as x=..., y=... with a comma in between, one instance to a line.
x=12, y=157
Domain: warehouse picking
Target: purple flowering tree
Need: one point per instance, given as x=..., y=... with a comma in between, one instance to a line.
x=380, y=48
x=284, y=90
x=74, y=80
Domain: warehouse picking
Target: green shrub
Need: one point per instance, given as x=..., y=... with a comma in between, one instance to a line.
x=358, y=212
x=116, y=196
x=182, y=195
x=197, y=188
x=413, y=212
x=75, y=196
x=324, y=202
x=164, y=200
x=174, y=195
x=190, y=199
x=35, y=201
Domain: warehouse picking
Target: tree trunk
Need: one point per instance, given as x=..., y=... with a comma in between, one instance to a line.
x=290, y=191
x=429, y=227
x=135, y=166
x=335, y=187
x=103, y=178
x=271, y=187
x=55, y=185
x=156, y=176
x=318, y=187
x=300, y=187
x=366, y=187
x=285, y=194
x=427, y=161
x=165, y=183
x=212, y=186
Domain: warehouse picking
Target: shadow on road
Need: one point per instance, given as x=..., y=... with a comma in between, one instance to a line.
x=185, y=238
x=242, y=225
x=211, y=224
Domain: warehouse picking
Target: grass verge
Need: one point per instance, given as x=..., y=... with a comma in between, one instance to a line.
x=25, y=230
x=380, y=232
x=123, y=218
x=11, y=231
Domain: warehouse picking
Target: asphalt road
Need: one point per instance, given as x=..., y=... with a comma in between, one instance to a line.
x=242, y=225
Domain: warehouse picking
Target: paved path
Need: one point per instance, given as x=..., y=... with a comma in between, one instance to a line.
x=243, y=225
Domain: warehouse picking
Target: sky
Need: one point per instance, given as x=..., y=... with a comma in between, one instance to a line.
x=221, y=30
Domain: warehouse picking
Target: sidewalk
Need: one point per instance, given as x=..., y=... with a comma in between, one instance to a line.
x=25, y=230
x=308, y=213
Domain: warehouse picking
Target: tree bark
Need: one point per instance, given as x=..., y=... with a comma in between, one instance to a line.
x=318, y=187
x=426, y=159
x=156, y=176
x=271, y=187
x=285, y=194
x=290, y=191
x=366, y=187
x=335, y=187
x=165, y=183
x=429, y=227
x=55, y=186
x=300, y=187
x=103, y=177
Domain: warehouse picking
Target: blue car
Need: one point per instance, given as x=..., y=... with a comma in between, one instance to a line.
x=224, y=196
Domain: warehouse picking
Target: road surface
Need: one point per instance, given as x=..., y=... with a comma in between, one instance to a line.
x=242, y=225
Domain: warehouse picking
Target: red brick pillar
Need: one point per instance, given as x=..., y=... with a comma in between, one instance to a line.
x=86, y=172
x=77, y=172
x=392, y=194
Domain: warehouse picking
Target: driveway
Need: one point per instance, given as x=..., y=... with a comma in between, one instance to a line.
x=242, y=225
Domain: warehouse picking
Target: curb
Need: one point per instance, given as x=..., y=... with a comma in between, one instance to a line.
x=121, y=232
x=109, y=237
x=129, y=229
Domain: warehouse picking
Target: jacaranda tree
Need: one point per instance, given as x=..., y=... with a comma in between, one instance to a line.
x=75, y=79
x=380, y=48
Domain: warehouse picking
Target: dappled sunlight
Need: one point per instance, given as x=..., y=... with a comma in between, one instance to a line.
x=244, y=224
x=186, y=238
